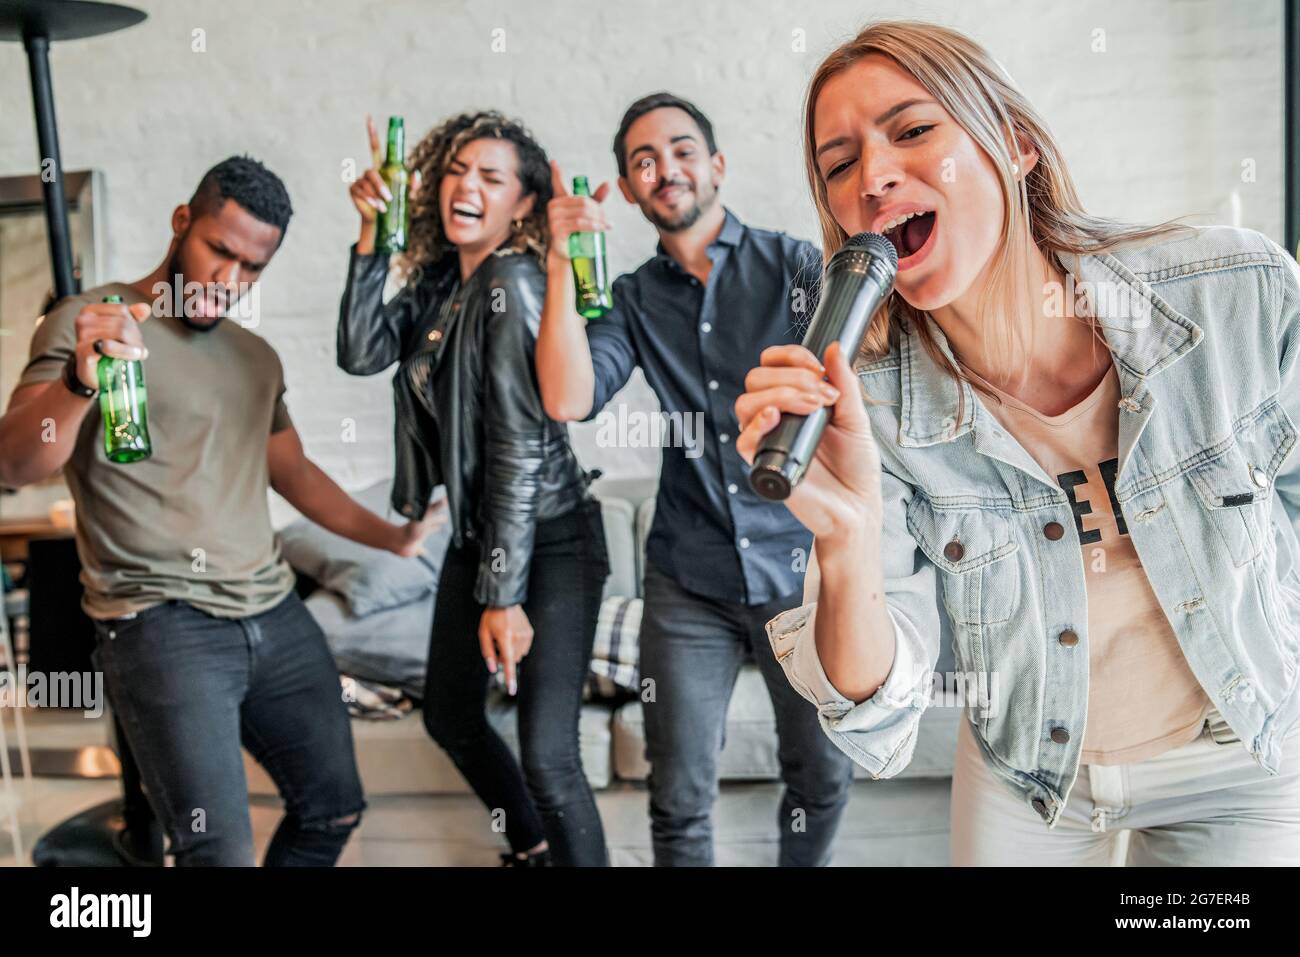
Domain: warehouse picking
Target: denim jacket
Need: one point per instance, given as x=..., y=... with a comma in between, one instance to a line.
x=1205, y=332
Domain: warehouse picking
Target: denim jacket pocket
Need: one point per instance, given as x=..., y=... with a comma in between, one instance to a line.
x=970, y=547
x=1236, y=485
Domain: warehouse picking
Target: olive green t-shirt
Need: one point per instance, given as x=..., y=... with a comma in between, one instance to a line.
x=192, y=521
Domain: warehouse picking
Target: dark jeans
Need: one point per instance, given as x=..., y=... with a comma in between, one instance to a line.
x=550, y=798
x=692, y=647
x=188, y=688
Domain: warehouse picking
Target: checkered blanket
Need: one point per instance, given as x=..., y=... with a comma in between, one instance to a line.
x=615, y=655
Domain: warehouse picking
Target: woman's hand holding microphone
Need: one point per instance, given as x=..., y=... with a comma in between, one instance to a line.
x=838, y=499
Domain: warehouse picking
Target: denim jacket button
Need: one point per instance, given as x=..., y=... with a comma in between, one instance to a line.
x=1069, y=638
x=954, y=550
x=1060, y=735
x=1053, y=531
x=1258, y=476
x=1040, y=806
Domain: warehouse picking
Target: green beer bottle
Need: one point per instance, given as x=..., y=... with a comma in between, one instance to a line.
x=391, y=224
x=123, y=407
x=590, y=269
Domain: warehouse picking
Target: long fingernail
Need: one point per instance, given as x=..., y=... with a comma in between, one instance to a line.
x=513, y=687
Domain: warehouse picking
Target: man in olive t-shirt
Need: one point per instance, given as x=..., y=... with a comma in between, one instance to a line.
x=202, y=640
x=190, y=522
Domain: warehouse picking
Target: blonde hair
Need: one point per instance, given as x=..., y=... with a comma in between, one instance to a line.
x=1042, y=205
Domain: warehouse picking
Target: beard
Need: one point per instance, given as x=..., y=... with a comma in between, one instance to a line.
x=687, y=218
x=176, y=276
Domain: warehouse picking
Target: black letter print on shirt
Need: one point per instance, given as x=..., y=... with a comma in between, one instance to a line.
x=1068, y=481
x=1107, y=470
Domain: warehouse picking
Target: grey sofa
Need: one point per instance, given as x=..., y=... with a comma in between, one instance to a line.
x=903, y=820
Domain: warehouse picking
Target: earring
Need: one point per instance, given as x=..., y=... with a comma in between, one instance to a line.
x=518, y=224
x=1015, y=169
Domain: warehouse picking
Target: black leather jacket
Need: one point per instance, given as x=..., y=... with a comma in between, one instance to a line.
x=468, y=411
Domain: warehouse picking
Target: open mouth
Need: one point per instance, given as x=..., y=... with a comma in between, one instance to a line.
x=465, y=213
x=909, y=233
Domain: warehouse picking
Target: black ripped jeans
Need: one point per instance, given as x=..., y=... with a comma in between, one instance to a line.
x=188, y=688
x=549, y=798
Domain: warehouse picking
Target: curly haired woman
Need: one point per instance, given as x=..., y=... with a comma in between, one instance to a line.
x=524, y=572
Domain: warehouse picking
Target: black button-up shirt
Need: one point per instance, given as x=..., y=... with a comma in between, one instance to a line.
x=695, y=343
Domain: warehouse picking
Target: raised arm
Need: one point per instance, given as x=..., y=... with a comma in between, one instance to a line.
x=579, y=366
x=372, y=333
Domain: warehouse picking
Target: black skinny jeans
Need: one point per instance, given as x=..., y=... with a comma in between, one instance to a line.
x=549, y=799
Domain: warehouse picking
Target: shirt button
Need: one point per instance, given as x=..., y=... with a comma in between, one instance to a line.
x=1053, y=531
x=732, y=488
x=1069, y=638
x=744, y=543
x=1247, y=692
x=706, y=327
x=1060, y=735
x=435, y=335
x=713, y=384
x=1258, y=477
x=953, y=551
x=723, y=438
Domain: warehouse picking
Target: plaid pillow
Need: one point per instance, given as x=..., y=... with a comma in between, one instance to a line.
x=617, y=649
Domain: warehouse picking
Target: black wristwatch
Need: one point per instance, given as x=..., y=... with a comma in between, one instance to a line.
x=73, y=381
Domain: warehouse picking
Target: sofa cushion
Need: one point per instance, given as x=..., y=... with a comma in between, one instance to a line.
x=615, y=655
x=749, y=752
x=368, y=579
x=389, y=646
x=620, y=542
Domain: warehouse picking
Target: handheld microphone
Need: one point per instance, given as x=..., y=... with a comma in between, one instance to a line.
x=858, y=278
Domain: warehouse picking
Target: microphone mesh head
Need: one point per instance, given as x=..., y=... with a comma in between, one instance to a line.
x=876, y=245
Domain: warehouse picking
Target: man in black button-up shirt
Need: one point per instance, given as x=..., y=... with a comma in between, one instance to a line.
x=720, y=560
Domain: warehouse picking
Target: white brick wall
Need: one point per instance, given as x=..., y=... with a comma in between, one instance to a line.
x=1156, y=126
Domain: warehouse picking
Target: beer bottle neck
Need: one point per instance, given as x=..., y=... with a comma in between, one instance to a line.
x=396, y=145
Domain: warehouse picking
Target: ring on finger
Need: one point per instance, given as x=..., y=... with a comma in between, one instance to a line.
x=99, y=346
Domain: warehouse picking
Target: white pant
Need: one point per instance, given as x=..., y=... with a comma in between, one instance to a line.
x=1205, y=803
